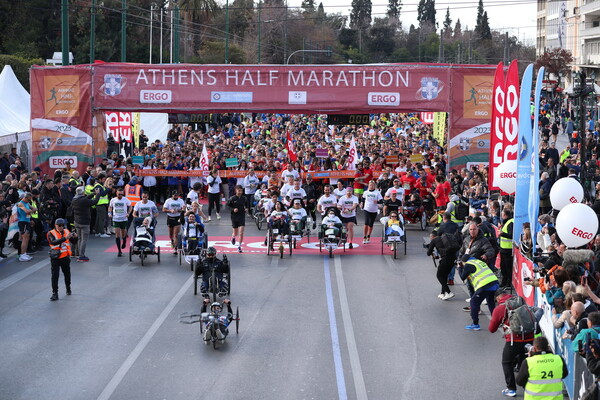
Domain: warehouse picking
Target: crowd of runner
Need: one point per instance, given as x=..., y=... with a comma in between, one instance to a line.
x=399, y=168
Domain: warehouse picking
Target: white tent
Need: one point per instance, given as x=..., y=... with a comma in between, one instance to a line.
x=15, y=110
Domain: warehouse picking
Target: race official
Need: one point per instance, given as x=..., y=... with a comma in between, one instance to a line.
x=484, y=283
x=60, y=255
x=541, y=374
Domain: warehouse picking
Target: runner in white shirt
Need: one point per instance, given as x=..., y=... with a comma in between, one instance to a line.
x=372, y=199
x=297, y=216
x=296, y=193
x=289, y=183
x=173, y=207
x=214, y=193
x=119, y=209
x=347, y=204
x=145, y=208
x=326, y=201
x=340, y=190
x=396, y=186
x=290, y=171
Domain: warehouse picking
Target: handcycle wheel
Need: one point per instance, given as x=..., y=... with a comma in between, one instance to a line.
x=290, y=247
x=295, y=243
x=237, y=320
x=195, y=282
x=258, y=220
x=213, y=335
x=228, y=279
x=205, y=242
x=158, y=253
x=308, y=235
x=142, y=256
x=330, y=252
x=201, y=329
x=320, y=245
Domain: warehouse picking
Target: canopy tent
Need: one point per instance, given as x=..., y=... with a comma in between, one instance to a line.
x=15, y=110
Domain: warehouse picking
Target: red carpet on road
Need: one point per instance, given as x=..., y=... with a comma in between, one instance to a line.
x=255, y=245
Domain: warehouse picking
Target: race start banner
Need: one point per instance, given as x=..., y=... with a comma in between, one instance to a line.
x=63, y=98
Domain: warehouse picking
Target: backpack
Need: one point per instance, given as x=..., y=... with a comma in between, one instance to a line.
x=520, y=316
x=450, y=242
x=461, y=210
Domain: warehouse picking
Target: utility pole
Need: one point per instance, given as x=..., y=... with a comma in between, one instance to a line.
x=171, y=37
x=123, y=32
x=93, y=32
x=151, y=23
x=65, y=31
x=470, y=48
x=458, y=55
x=161, y=36
x=227, y=32
x=176, y=34
x=285, y=31
x=259, y=22
x=441, y=51
x=506, y=48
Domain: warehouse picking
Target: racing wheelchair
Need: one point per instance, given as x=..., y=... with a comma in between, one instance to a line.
x=190, y=245
x=332, y=235
x=393, y=235
x=278, y=235
x=142, y=243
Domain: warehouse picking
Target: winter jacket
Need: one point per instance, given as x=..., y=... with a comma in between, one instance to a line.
x=478, y=247
x=82, y=208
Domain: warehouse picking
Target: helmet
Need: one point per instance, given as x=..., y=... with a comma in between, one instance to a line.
x=216, y=305
x=211, y=251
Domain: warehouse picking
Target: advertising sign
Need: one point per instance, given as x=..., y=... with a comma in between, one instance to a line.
x=231, y=162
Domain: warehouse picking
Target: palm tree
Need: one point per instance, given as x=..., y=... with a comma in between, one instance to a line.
x=196, y=12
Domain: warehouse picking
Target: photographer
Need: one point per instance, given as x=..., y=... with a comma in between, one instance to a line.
x=447, y=248
x=542, y=372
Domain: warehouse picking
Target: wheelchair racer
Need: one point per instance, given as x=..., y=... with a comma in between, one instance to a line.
x=331, y=221
x=298, y=216
x=221, y=320
x=192, y=234
x=278, y=219
x=205, y=268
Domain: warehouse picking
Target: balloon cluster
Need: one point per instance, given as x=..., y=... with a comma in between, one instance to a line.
x=576, y=223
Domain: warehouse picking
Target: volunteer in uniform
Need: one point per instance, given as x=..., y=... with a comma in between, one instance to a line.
x=60, y=255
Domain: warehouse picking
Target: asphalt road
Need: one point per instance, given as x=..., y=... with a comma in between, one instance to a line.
x=358, y=326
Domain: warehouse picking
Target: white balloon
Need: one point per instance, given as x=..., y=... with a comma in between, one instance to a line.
x=565, y=191
x=505, y=176
x=576, y=224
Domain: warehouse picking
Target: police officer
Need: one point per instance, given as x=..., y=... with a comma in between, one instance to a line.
x=60, y=255
x=484, y=283
x=506, y=248
x=541, y=374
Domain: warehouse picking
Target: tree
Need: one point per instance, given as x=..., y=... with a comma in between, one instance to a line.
x=482, y=28
x=426, y=13
x=556, y=61
x=394, y=8
x=448, y=24
x=458, y=30
x=197, y=10
x=308, y=7
x=360, y=16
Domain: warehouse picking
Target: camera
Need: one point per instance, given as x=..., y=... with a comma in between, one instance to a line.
x=528, y=348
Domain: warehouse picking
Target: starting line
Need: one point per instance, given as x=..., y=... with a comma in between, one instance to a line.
x=255, y=245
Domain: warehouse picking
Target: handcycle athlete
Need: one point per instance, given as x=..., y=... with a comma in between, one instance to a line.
x=205, y=268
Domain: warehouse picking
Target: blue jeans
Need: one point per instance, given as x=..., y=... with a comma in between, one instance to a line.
x=478, y=297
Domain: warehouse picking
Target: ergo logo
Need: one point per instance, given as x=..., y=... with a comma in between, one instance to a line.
x=584, y=235
x=508, y=175
x=383, y=99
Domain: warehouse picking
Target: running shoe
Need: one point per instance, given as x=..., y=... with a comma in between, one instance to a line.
x=509, y=392
x=448, y=296
x=473, y=327
x=233, y=240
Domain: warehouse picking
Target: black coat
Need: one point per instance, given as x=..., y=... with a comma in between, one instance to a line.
x=82, y=209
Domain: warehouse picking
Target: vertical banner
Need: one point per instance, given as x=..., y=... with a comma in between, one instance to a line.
x=352, y=156
x=511, y=112
x=290, y=148
x=61, y=117
x=439, y=127
x=470, y=113
x=497, y=125
x=119, y=125
x=534, y=194
x=523, y=268
x=524, y=174
x=99, y=137
x=135, y=127
x=204, y=160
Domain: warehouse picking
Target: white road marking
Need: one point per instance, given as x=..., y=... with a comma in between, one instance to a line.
x=137, y=351
x=14, y=278
x=359, y=381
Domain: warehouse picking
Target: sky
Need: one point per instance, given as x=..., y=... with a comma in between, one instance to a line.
x=517, y=17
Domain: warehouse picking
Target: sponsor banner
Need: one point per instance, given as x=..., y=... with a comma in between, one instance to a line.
x=524, y=173
x=61, y=116
x=307, y=88
x=522, y=268
x=469, y=117
x=57, y=162
x=496, y=125
x=427, y=118
x=241, y=174
x=439, y=127
x=416, y=158
x=322, y=153
x=392, y=160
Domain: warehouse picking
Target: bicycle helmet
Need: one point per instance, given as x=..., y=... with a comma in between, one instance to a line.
x=216, y=306
x=211, y=251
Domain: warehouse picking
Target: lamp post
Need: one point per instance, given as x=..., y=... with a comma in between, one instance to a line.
x=227, y=32
x=123, y=31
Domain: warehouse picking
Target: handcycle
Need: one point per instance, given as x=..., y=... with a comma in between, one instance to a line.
x=416, y=215
x=216, y=287
x=142, y=243
x=393, y=238
x=210, y=321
